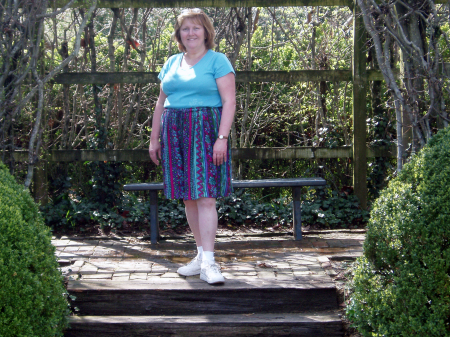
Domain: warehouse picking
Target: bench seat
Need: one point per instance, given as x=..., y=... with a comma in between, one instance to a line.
x=295, y=183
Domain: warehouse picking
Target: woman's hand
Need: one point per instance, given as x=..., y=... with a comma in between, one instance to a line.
x=155, y=151
x=154, y=148
x=227, y=91
x=220, y=151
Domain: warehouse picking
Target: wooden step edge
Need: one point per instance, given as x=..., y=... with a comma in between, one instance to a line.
x=331, y=316
x=309, y=282
x=243, y=325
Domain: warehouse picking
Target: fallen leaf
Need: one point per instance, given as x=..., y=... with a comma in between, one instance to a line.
x=263, y=265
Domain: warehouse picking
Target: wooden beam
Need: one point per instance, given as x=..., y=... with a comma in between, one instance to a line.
x=209, y=3
x=272, y=153
x=241, y=76
x=376, y=75
x=294, y=76
x=257, y=153
x=97, y=155
x=359, y=108
x=107, y=77
x=203, y=3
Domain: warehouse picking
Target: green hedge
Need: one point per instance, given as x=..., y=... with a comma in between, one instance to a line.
x=402, y=284
x=32, y=293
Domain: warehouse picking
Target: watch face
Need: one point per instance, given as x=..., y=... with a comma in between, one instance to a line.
x=221, y=137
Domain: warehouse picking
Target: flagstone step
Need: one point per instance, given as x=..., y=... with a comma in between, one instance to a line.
x=179, y=296
x=315, y=324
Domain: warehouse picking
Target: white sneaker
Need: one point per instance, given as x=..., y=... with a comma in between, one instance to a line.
x=210, y=273
x=192, y=268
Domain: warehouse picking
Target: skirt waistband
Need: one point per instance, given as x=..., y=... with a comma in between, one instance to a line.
x=201, y=108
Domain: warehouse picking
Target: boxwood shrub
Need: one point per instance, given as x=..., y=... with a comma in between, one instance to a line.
x=32, y=293
x=402, y=283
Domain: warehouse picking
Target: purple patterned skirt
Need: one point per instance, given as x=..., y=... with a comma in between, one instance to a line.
x=187, y=139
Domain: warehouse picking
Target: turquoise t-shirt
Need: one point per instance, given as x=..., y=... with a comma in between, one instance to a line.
x=195, y=86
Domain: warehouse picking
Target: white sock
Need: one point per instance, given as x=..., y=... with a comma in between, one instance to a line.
x=208, y=256
x=200, y=252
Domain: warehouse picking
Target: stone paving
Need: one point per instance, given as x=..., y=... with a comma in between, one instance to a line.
x=239, y=256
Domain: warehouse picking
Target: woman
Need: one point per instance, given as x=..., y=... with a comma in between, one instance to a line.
x=193, y=117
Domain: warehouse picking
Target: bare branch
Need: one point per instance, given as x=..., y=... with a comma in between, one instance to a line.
x=57, y=12
x=57, y=69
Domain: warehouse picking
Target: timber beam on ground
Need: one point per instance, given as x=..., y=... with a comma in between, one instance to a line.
x=141, y=155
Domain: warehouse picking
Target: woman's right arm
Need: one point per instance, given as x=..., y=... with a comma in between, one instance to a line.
x=154, y=148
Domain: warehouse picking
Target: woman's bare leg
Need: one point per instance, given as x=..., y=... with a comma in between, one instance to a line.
x=207, y=219
x=193, y=267
x=202, y=218
x=202, y=211
x=192, y=218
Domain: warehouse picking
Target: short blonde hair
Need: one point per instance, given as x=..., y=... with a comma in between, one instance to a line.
x=198, y=16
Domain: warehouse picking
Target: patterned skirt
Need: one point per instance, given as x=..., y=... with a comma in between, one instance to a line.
x=187, y=139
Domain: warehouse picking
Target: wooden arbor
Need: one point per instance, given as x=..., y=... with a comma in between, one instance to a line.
x=358, y=75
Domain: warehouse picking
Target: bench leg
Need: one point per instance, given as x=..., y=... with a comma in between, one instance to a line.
x=154, y=225
x=296, y=212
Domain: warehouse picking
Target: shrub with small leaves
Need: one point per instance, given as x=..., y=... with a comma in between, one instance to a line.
x=240, y=208
x=32, y=293
x=402, y=284
x=333, y=209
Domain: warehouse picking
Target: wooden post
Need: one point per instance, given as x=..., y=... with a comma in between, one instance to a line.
x=40, y=183
x=359, y=107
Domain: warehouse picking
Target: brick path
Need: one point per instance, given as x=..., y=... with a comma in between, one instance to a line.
x=277, y=257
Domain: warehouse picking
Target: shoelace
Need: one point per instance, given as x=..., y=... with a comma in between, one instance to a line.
x=214, y=268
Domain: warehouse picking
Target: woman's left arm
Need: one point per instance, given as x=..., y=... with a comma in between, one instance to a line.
x=227, y=90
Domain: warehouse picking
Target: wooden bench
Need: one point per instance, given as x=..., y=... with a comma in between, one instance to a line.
x=295, y=183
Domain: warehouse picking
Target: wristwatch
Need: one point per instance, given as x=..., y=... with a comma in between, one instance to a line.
x=223, y=137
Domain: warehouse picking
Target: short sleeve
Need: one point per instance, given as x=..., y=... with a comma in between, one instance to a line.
x=166, y=67
x=222, y=66
x=163, y=71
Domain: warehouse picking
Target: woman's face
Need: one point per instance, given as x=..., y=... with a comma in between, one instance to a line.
x=192, y=35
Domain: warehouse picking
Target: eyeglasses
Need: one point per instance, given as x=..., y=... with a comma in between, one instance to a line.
x=191, y=10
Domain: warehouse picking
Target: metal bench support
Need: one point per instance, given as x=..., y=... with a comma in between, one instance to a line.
x=154, y=223
x=296, y=212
